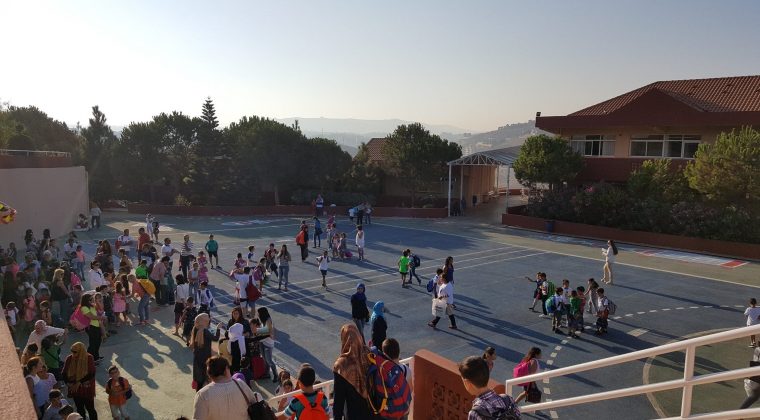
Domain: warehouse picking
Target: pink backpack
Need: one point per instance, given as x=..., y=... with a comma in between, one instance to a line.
x=75, y=280
x=522, y=369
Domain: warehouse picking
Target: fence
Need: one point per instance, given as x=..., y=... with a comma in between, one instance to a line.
x=34, y=153
x=688, y=382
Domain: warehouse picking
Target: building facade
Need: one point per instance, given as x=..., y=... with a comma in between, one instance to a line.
x=662, y=120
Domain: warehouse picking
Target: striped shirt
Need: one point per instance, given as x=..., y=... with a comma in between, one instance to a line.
x=186, y=250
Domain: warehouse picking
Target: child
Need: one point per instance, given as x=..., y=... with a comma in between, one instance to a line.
x=323, y=262
x=559, y=309
x=79, y=261
x=487, y=404
x=537, y=292
x=30, y=306
x=360, y=242
x=202, y=261
x=285, y=388
x=51, y=353
x=403, y=267
x=193, y=277
x=141, y=272
x=753, y=317
x=489, y=355
x=100, y=307
x=602, y=312
x=212, y=247
x=76, y=292
x=11, y=317
x=579, y=317
x=283, y=376
x=251, y=256
x=12, y=252
x=155, y=230
x=118, y=390
x=271, y=256
x=188, y=318
x=239, y=262
x=205, y=299
x=336, y=245
x=342, y=247
x=392, y=349
x=45, y=313
x=119, y=304
x=245, y=370
x=306, y=378
x=573, y=313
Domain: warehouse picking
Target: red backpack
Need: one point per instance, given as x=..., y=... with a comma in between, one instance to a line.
x=312, y=411
x=300, y=238
x=251, y=291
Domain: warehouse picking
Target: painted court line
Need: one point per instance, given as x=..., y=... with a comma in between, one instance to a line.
x=576, y=256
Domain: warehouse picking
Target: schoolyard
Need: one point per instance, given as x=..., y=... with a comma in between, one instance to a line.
x=660, y=296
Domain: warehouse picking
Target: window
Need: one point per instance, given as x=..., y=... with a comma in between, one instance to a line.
x=670, y=146
x=594, y=144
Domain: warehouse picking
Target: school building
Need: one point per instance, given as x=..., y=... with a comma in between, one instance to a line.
x=662, y=120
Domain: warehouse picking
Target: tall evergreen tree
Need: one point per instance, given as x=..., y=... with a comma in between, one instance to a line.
x=209, y=177
x=99, y=139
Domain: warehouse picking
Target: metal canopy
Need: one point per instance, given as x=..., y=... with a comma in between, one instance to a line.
x=500, y=157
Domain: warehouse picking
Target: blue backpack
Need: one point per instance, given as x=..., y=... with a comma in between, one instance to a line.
x=431, y=285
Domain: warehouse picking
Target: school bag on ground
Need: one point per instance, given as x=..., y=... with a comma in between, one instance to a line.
x=312, y=411
x=509, y=413
x=389, y=394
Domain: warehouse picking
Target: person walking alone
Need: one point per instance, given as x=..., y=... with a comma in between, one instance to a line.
x=446, y=301
x=609, y=259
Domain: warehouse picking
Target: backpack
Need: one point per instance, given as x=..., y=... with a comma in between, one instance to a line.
x=550, y=305
x=251, y=291
x=611, y=307
x=148, y=286
x=431, y=285
x=311, y=411
x=389, y=394
x=416, y=260
x=551, y=289
x=509, y=413
x=300, y=238
x=522, y=369
x=127, y=394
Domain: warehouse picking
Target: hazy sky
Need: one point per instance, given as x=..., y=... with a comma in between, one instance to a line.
x=473, y=64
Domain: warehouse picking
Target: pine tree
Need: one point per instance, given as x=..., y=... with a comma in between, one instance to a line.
x=210, y=180
x=99, y=139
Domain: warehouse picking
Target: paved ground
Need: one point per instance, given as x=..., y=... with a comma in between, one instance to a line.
x=665, y=299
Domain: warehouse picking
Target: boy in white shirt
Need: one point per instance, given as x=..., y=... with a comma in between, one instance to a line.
x=753, y=317
x=323, y=262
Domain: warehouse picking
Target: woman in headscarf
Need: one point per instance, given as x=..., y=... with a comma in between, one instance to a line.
x=359, y=311
x=200, y=343
x=79, y=375
x=378, y=324
x=350, y=375
x=236, y=345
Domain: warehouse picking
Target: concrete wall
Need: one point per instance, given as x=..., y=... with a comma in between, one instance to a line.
x=44, y=198
x=14, y=397
x=707, y=246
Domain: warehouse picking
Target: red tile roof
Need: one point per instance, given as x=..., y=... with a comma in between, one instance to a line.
x=722, y=94
x=375, y=149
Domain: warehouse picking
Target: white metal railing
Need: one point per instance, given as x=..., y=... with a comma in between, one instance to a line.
x=326, y=387
x=687, y=383
x=48, y=153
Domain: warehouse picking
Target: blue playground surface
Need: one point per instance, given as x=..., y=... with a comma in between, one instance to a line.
x=492, y=297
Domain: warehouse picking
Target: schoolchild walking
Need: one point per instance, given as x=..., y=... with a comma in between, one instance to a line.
x=403, y=266
x=205, y=299
x=323, y=262
x=212, y=247
x=360, y=242
x=445, y=294
x=413, y=264
x=602, y=313
x=119, y=391
x=574, y=312
x=752, y=313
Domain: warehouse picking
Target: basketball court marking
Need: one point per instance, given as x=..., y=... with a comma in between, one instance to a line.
x=252, y=222
x=691, y=257
x=567, y=254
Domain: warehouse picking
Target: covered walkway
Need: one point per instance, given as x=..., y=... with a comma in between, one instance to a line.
x=478, y=181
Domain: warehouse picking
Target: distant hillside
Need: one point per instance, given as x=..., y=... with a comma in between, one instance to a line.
x=368, y=128
x=505, y=136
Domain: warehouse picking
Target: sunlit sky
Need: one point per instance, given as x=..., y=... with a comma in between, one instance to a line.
x=473, y=64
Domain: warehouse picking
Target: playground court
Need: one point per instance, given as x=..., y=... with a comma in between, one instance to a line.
x=659, y=299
